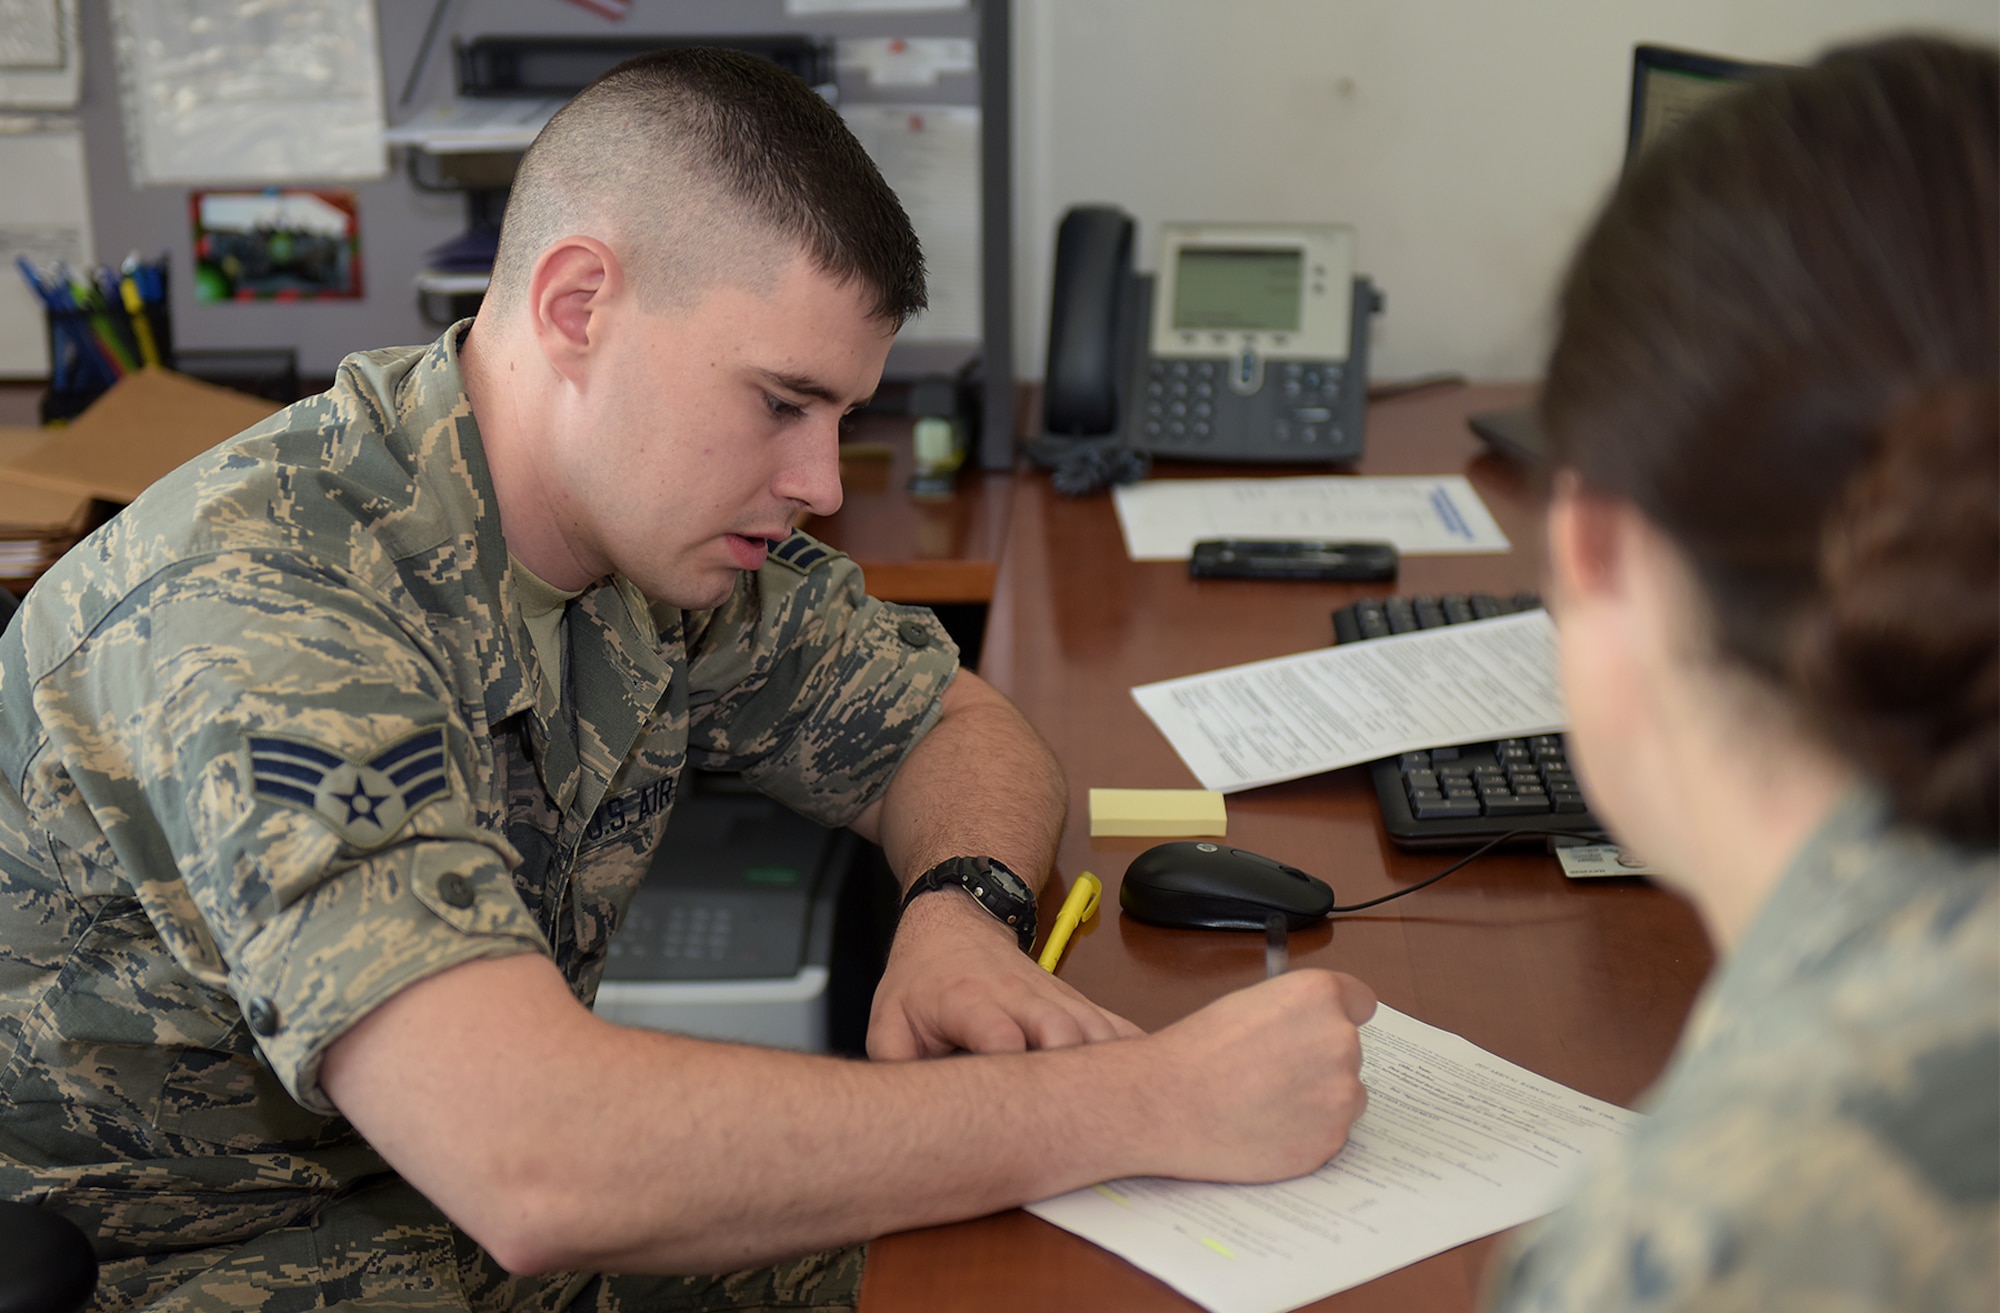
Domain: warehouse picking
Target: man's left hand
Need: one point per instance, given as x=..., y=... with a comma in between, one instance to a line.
x=957, y=979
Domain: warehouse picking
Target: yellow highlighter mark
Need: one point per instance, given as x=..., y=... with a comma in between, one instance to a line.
x=1112, y=1195
x=1217, y=1246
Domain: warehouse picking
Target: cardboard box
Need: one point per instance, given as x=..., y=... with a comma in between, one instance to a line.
x=52, y=481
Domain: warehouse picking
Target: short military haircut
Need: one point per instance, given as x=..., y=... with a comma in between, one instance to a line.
x=701, y=166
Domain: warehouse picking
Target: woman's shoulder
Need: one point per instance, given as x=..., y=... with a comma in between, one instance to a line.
x=1829, y=1132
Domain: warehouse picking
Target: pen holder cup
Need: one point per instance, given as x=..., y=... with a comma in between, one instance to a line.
x=78, y=374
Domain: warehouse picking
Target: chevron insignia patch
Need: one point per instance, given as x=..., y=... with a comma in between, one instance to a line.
x=366, y=802
x=800, y=552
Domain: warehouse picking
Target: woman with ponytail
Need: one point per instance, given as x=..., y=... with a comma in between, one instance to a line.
x=1774, y=546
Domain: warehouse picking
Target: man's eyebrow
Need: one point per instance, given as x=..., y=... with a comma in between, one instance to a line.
x=809, y=387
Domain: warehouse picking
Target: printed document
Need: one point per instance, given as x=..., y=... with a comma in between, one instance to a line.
x=1433, y=516
x=1293, y=716
x=1456, y=1144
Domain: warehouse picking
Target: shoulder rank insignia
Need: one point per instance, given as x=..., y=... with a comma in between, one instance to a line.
x=801, y=551
x=365, y=803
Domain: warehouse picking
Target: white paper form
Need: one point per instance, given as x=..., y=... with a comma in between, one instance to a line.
x=896, y=61
x=929, y=154
x=227, y=91
x=46, y=219
x=1294, y=716
x=1424, y=516
x=866, y=6
x=40, y=57
x=1456, y=1144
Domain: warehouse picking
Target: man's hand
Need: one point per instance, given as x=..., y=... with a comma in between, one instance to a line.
x=957, y=979
x=1265, y=1082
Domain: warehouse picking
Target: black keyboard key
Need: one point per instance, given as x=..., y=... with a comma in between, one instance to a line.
x=1410, y=761
x=1402, y=615
x=1514, y=805
x=1374, y=624
x=1450, y=809
x=1430, y=615
x=1485, y=606
x=1457, y=608
x=1422, y=779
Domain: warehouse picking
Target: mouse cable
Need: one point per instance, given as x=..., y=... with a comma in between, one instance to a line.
x=1463, y=862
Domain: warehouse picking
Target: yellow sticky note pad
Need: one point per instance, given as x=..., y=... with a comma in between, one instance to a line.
x=1157, y=813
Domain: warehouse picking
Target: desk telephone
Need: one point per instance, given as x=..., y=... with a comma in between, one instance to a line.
x=1251, y=344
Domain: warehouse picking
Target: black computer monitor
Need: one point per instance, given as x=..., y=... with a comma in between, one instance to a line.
x=1668, y=85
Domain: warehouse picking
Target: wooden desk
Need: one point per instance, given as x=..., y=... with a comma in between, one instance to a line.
x=1586, y=983
x=935, y=552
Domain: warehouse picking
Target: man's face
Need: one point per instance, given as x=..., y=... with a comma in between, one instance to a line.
x=708, y=431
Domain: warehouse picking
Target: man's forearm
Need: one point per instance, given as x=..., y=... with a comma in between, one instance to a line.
x=980, y=784
x=558, y=1140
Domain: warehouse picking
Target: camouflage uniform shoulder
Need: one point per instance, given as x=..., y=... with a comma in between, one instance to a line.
x=346, y=481
x=1829, y=1132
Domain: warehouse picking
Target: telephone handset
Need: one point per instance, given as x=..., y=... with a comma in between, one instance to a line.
x=1251, y=344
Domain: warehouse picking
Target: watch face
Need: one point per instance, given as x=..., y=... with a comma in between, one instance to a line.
x=1010, y=885
x=1004, y=894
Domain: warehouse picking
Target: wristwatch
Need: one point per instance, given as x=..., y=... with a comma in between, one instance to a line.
x=997, y=889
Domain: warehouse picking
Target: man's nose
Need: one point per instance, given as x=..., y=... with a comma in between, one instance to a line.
x=811, y=473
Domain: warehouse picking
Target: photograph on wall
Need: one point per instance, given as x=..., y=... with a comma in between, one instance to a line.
x=280, y=244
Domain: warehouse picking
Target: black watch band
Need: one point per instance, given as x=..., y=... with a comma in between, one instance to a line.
x=995, y=888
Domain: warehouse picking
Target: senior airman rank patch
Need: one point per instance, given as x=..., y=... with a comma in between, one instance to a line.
x=364, y=802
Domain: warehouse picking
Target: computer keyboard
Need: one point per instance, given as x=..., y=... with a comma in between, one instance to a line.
x=1467, y=794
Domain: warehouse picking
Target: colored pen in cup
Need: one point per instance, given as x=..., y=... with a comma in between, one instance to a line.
x=1277, y=946
x=1079, y=907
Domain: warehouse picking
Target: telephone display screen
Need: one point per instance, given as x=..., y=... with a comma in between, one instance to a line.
x=1255, y=289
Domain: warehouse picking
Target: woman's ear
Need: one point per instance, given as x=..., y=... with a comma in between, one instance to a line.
x=574, y=283
x=1585, y=538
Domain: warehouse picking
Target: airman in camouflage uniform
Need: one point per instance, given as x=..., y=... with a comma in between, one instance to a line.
x=1828, y=1136
x=276, y=744
x=330, y=768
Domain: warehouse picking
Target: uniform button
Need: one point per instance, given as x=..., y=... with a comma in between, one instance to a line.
x=914, y=633
x=455, y=889
x=262, y=1014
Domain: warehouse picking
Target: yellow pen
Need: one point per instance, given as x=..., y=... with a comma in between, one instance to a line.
x=135, y=306
x=1079, y=907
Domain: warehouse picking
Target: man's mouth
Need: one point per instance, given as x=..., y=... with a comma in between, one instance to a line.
x=750, y=549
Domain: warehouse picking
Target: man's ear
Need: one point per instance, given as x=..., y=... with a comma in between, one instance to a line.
x=574, y=282
x=1586, y=538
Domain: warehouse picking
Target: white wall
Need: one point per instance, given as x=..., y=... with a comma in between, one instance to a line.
x=1468, y=141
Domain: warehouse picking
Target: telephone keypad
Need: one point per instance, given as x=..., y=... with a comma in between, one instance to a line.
x=1181, y=403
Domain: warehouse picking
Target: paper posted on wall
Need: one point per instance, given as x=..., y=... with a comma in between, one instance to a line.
x=1456, y=1144
x=1294, y=716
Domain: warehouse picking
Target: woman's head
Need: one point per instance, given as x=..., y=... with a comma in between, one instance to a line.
x=1781, y=343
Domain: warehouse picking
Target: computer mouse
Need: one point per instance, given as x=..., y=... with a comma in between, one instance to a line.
x=1209, y=886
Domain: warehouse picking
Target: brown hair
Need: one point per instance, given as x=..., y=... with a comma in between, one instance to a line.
x=701, y=165
x=1781, y=342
